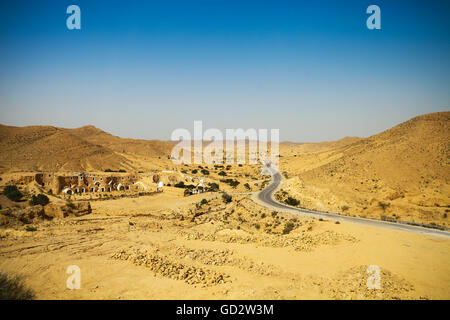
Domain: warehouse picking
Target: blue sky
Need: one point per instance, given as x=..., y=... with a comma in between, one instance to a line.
x=141, y=70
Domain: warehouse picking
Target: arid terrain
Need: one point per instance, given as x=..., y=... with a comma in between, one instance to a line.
x=401, y=174
x=222, y=243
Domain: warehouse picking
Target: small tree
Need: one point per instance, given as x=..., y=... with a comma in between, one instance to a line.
x=179, y=185
x=383, y=205
x=234, y=183
x=12, y=193
x=226, y=197
x=41, y=199
x=288, y=227
x=292, y=201
x=214, y=186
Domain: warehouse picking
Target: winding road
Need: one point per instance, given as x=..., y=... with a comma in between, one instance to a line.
x=266, y=197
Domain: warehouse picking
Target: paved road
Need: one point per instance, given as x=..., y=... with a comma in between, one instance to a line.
x=266, y=196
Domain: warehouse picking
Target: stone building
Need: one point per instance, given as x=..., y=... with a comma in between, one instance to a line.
x=89, y=182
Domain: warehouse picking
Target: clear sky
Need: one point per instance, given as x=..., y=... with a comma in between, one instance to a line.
x=141, y=69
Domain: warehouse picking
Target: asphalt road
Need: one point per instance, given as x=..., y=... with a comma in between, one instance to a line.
x=266, y=197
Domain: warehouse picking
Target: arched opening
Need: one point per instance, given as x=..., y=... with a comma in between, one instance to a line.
x=67, y=191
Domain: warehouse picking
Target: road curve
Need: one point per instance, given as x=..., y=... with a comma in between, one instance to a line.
x=266, y=197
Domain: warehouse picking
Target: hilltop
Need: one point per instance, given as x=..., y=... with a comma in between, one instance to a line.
x=41, y=148
x=147, y=148
x=401, y=173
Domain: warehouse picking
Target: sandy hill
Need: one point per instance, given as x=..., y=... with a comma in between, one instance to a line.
x=405, y=167
x=146, y=148
x=38, y=148
x=405, y=157
x=290, y=148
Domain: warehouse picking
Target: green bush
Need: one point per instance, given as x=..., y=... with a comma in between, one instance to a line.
x=179, y=185
x=205, y=172
x=30, y=228
x=288, y=227
x=222, y=173
x=247, y=186
x=194, y=171
x=41, y=199
x=9, y=189
x=204, y=201
x=231, y=182
x=292, y=201
x=12, y=193
x=12, y=288
x=226, y=198
x=110, y=170
x=214, y=186
x=383, y=205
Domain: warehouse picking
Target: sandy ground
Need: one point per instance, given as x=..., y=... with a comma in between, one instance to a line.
x=152, y=248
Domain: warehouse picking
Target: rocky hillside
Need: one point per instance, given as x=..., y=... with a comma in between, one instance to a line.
x=402, y=173
x=37, y=148
x=146, y=148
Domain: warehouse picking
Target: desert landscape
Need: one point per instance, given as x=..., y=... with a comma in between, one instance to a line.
x=141, y=227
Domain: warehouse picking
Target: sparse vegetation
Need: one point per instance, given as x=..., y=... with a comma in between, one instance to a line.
x=12, y=193
x=231, y=182
x=120, y=170
x=383, y=205
x=179, y=185
x=12, y=288
x=226, y=197
x=213, y=186
x=292, y=201
x=41, y=199
x=288, y=227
